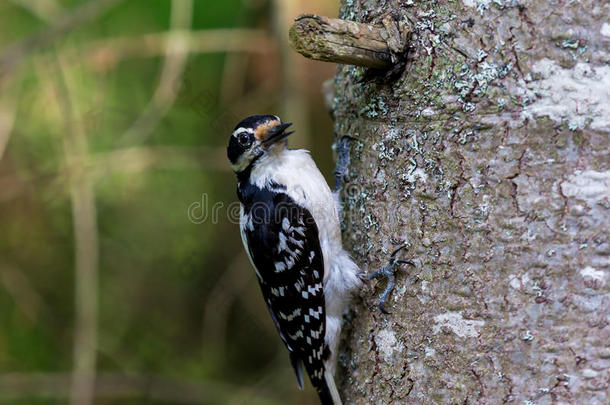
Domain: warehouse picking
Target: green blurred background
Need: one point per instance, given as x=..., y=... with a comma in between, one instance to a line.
x=122, y=275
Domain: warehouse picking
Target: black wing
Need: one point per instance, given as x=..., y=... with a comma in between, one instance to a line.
x=283, y=243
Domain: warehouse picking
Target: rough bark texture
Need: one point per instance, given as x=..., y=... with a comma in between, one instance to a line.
x=489, y=156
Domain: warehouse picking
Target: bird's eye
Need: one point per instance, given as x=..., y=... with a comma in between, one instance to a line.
x=244, y=139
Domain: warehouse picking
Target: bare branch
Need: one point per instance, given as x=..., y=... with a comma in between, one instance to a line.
x=219, y=301
x=176, y=54
x=125, y=160
x=294, y=74
x=8, y=111
x=108, y=52
x=84, y=215
x=46, y=10
x=347, y=42
x=21, y=49
x=234, y=75
x=139, y=159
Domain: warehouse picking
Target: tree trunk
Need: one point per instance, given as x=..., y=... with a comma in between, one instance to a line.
x=489, y=157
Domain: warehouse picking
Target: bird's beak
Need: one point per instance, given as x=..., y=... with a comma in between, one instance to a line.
x=277, y=134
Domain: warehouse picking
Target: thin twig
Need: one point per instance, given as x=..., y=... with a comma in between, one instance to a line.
x=139, y=159
x=106, y=53
x=46, y=10
x=84, y=216
x=219, y=301
x=8, y=112
x=234, y=75
x=235, y=71
x=176, y=54
x=294, y=75
x=124, y=160
x=16, y=52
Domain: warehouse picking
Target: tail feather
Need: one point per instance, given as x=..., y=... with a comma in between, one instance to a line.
x=330, y=383
x=298, y=370
x=327, y=390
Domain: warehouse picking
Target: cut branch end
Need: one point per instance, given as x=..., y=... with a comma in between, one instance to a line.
x=348, y=42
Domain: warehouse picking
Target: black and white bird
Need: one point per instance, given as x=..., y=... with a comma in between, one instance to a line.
x=290, y=229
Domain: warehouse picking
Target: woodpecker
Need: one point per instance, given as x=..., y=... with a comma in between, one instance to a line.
x=289, y=224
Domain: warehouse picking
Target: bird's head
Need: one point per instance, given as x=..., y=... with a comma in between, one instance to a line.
x=253, y=137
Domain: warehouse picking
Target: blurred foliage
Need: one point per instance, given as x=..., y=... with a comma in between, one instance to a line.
x=177, y=298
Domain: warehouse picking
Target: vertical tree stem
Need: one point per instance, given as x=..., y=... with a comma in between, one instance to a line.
x=86, y=246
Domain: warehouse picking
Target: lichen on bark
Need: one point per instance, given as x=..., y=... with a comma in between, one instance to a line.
x=498, y=178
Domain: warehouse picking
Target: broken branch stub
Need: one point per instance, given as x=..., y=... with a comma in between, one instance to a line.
x=347, y=42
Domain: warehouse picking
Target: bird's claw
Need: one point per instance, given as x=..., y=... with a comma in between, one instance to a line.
x=388, y=272
x=342, y=148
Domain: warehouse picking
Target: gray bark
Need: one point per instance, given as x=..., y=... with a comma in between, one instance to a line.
x=346, y=42
x=489, y=157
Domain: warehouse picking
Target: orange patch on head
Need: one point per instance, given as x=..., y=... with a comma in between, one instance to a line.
x=262, y=131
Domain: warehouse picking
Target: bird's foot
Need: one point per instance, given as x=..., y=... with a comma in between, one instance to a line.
x=342, y=148
x=388, y=272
